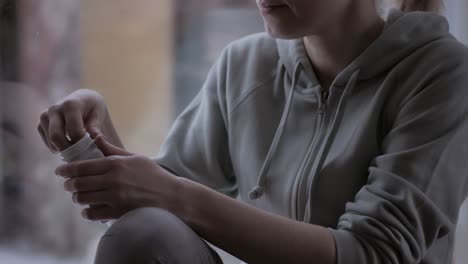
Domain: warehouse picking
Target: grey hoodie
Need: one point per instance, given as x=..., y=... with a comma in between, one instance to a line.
x=380, y=157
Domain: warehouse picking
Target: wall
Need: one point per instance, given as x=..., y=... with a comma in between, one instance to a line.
x=457, y=11
x=127, y=57
x=36, y=212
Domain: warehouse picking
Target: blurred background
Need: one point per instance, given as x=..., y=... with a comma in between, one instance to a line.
x=147, y=57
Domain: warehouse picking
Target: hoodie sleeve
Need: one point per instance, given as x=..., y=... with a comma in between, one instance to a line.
x=197, y=145
x=417, y=185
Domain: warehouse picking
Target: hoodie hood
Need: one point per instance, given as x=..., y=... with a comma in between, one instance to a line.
x=403, y=34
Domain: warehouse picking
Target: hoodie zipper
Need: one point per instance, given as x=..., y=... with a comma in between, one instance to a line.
x=324, y=95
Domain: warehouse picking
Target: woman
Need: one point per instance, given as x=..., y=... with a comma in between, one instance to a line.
x=341, y=134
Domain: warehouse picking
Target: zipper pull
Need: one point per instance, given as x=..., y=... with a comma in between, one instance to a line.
x=324, y=98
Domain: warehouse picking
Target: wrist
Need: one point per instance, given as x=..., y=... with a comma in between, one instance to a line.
x=188, y=201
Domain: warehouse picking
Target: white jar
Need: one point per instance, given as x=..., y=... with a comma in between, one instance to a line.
x=84, y=149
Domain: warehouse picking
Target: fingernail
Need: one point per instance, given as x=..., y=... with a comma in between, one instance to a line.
x=54, y=150
x=83, y=214
x=103, y=139
x=98, y=139
x=58, y=171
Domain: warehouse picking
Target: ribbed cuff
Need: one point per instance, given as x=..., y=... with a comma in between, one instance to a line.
x=347, y=247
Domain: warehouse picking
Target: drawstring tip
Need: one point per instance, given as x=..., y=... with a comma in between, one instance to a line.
x=256, y=193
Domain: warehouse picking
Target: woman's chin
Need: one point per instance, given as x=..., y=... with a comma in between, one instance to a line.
x=283, y=32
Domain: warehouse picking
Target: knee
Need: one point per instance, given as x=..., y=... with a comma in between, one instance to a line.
x=148, y=225
x=145, y=235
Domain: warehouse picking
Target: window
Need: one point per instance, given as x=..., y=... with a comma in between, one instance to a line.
x=148, y=58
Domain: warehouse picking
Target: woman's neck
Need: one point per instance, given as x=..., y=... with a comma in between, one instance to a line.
x=343, y=40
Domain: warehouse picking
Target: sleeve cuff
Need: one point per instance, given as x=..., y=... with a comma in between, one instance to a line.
x=346, y=245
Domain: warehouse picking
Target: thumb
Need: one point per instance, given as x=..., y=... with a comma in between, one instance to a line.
x=94, y=131
x=108, y=149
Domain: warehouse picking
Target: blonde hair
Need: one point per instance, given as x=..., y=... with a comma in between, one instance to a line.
x=421, y=5
x=383, y=6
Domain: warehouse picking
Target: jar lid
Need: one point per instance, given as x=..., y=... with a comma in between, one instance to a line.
x=78, y=147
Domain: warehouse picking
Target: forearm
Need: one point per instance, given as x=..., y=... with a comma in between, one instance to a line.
x=252, y=234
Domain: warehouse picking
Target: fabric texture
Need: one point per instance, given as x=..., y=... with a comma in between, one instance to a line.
x=379, y=158
x=153, y=236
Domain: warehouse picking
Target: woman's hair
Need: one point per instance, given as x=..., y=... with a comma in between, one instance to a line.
x=421, y=5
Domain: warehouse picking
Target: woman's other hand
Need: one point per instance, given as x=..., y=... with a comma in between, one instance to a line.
x=67, y=121
x=119, y=183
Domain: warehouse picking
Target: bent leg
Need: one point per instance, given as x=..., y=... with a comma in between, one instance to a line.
x=153, y=236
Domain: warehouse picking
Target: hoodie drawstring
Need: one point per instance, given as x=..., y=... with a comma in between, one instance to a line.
x=258, y=190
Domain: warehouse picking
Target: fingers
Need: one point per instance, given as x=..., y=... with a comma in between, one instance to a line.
x=86, y=168
x=43, y=135
x=73, y=121
x=87, y=184
x=57, y=133
x=43, y=129
x=100, y=213
x=93, y=198
x=108, y=149
x=94, y=130
x=62, y=125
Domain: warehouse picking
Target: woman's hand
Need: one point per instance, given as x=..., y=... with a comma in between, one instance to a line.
x=119, y=183
x=66, y=122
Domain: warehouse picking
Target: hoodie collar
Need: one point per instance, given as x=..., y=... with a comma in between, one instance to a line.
x=292, y=53
x=403, y=34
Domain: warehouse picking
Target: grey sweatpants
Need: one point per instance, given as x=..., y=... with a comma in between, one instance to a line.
x=153, y=236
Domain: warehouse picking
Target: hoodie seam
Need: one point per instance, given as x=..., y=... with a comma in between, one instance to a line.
x=248, y=93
